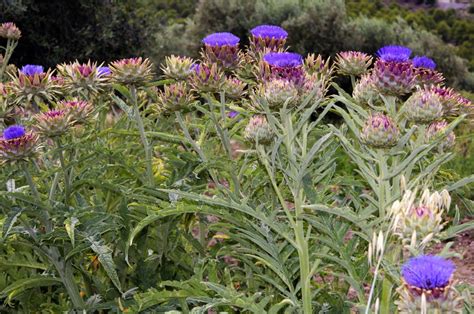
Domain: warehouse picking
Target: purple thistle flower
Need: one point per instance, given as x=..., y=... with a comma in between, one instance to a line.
x=428, y=272
x=32, y=69
x=103, y=71
x=269, y=31
x=394, y=53
x=283, y=59
x=14, y=131
x=424, y=62
x=221, y=39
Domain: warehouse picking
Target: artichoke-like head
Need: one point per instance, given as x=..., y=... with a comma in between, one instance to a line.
x=234, y=88
x=175, y=97
x=79, y=111
x=284, y=65
x=394, y=78
x=380, y=131
x=278, y=91
x=17, y=144
x=353, y=63
x=221, y=48
x=206, y=78
x=423, y=106
x=437, y=130
x=177, y=68
x=132, y=71
x=53, y=123
x=258, y=131
x=83, y=79
x=10, y=31
x=267, y=38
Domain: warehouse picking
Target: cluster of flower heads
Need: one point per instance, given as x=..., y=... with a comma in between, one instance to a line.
x=395, y=74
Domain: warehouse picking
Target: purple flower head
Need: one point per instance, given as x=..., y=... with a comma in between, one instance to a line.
x=283, y=59
x=424, y=62
x=221, y=39
x=103, y=71
x=14, y=131
x=269, y=31
x=32, y=69
x=394, y=53
x=428, y=272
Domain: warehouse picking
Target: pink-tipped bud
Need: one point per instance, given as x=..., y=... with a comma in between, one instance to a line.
x=437, y=130
x=10, y=31
x=380, y=131
x=132, y=71
x=423, y=106
x=52, y=123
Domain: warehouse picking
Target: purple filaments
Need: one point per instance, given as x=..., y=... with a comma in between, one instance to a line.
x=221, y=39
x=428, y=272
x=14, y=131
x=283, y=59
x=103, y=71
x=424, y=62
x=394, y=53
x=269, y=31
x=32, y=69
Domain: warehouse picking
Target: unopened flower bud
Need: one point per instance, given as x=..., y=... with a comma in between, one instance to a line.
x=380, y=131
x=53, y=123
x=423, y=106
x=175, y=97
x=277, y=92
x=258, y=131
x=365, y=91
x=233, y=88
x=132, y=71
x=353, y=62
x=437, y=130
x=10, y=31
x=177, y=68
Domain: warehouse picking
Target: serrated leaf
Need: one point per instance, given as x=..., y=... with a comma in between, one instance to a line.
x=10, y=221
x=105, y=258
x=22, y=285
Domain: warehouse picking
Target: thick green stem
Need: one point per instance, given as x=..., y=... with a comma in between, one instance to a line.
x=67, y=188
x=11, y=45
x=29, y=179
x=141, y=130
x=67, y=277
x=303, y=254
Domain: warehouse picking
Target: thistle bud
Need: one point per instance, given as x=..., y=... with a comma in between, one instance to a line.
x=53, y=123
x=313, y=86
x=353, y=62
x=10, y=31
x=317, y=65
x=277, y=92
x=33, y=84
x=132, y=71
x=16, y=144
x=177, y=68
x=233, y=88
x=437, y=130
x=425, y=73
x=423, y=218
x=82, y=79
x=449, y=99
x=267, y=38
x=79, y=111
x=285, y=65
x=428, y=286
x=258, y=131
x=423, y=106
x=365, y=91
x=380, y=131
x=175, y=97
x=206, y=78
x=222, y=48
